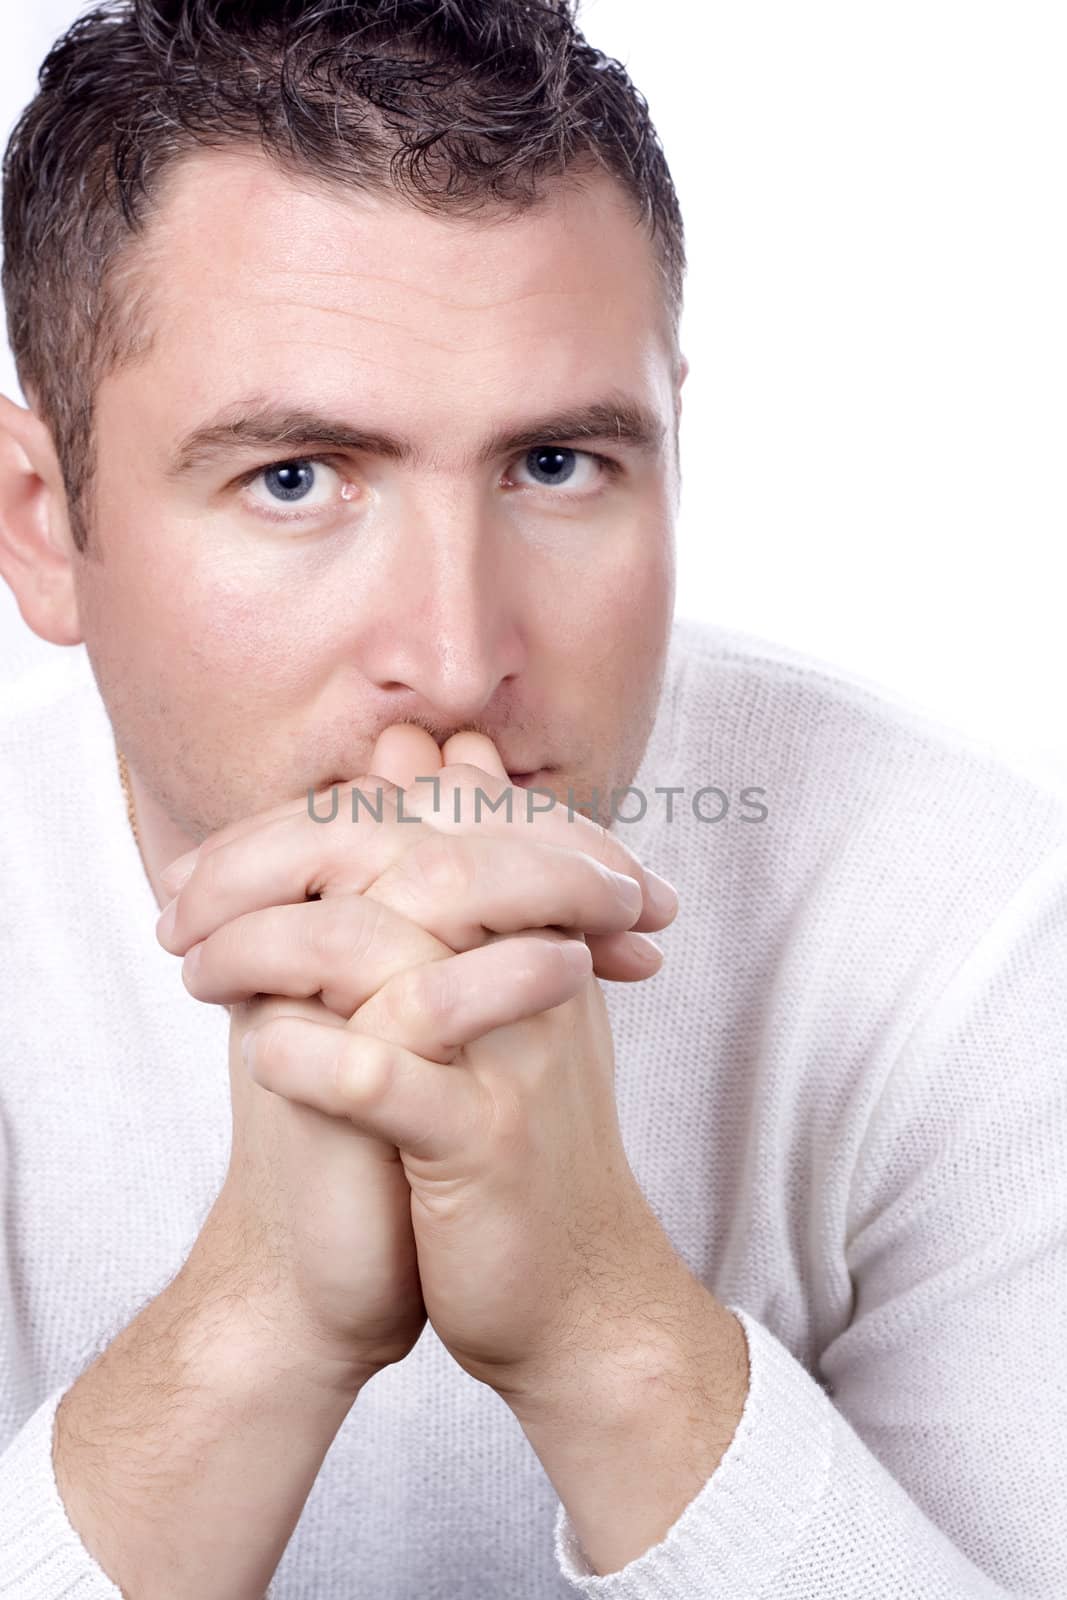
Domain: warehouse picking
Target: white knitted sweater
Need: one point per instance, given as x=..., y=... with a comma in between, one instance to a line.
x=844, y=1095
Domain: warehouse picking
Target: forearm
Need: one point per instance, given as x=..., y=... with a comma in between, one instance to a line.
x=635, y=1441
x=184, y=1455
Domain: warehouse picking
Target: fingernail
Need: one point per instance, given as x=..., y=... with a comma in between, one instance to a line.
x=173, y=877
x=629, y=891
x=577, y=955
x=165, y=925
x=661, y=896
x=646, y=951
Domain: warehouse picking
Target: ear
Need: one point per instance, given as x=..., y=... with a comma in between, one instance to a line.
x=37, y=551
x=681, y=373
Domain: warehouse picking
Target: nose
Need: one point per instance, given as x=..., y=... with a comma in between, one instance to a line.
x=442, y=625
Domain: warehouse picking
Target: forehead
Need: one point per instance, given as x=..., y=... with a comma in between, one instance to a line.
x=245, y=262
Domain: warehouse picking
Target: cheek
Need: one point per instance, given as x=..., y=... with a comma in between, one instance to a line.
x=629, y=604
x=233, y=639
x=605, y=638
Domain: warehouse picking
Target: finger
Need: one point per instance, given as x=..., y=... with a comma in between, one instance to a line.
x=341, y=950
x=437, y=1008
x=385, y=1091
x=431, y=903
x=416, y=1101
x=291, y=856
x=624, y=957
x=404, y=752
x=288, y=859
x=408, y=750
x=483, y=805
x=460, y=886
x=475, y=750
x=176, y=872
x=453, y=885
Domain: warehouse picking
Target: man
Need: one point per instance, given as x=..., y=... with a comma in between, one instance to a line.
x=351, y=460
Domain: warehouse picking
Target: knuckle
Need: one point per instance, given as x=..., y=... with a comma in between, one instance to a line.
x=464, y=774
x=442, y=864
x=364, y=1069
x=435, y=991
x=402, y=994
x=363, y=927
x=341, y=928
x=415, y=992
x=371, y=784
x=318, y=930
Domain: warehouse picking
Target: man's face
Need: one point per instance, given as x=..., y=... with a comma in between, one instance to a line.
x=256, y=617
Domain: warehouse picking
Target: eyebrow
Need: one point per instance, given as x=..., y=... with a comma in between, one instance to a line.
x=262, y=424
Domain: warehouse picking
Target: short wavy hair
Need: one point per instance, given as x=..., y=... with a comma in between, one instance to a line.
x=458, y=106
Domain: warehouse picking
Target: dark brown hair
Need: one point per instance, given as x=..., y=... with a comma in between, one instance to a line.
x=459, y=106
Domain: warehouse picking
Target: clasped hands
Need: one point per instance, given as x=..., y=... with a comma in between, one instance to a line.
x=461, y=960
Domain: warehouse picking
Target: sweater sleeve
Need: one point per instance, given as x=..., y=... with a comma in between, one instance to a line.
x=927, y=1457
x=41, y=1554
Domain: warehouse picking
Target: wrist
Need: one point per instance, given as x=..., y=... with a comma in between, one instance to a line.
x=259, y=1339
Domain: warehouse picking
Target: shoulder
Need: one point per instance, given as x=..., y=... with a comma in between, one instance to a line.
x=845, y=758
x=799, y=701
x=889, y=845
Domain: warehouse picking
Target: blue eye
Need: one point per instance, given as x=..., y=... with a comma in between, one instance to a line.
x=314, y=487
x=293, y=480
x=551, y=465
x=305, y=482
x=555, y=466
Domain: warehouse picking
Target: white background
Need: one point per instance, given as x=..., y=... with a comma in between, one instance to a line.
x=874, y=427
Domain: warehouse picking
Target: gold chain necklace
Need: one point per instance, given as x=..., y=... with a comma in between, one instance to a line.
x=124, y=779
